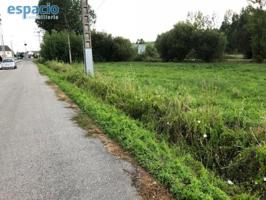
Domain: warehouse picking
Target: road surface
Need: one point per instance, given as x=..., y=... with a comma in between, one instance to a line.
x=44, y=154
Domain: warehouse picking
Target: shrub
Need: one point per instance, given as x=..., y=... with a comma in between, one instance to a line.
x=176, y=43
x=55, y=47
x=102, y=46
x=209, y=45
x=122, y=49
x=251, y=164
x=105, y=47
x=184, y=39
x=108, y=48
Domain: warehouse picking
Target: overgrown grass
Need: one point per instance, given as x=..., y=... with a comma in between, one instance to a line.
x=215, y=111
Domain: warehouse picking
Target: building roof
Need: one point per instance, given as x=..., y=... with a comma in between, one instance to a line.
x=6, y=48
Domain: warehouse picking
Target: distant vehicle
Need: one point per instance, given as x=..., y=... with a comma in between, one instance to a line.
x=8, y=63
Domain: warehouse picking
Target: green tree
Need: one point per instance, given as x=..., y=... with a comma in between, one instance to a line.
x=201, y=21
x=103, y=45
x=260, y=4
x=209, y=45
x=68, y=18
x=258, y=30
x=107, y=48
x=236, y=29
x=176, y=43
x=151, y=52
x=122, y=49
x=55, y=46
x=186, y=40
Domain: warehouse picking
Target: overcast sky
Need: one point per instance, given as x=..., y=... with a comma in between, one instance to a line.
x=132, y=19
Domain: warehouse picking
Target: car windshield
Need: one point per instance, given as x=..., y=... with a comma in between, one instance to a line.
x=7, y=61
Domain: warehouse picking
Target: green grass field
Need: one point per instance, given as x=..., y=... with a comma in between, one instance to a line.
x=214, y=112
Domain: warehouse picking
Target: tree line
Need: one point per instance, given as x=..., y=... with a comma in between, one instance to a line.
x=196, y=38
x=246, y=32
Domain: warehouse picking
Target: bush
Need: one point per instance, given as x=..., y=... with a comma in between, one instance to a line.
x=179, y=43
x=106, y=48
x=209, y=45
x=122, y=50
x=251, y=164
x=102, y=46
x=176, y=43
x=55, y=47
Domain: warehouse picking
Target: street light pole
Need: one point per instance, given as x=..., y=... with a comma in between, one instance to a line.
x=88, y=58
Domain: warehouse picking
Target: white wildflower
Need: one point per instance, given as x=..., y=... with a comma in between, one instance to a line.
x=205, y=136
x=230, y=182
x=264, y=179
x=199, y=121
x=168, y=123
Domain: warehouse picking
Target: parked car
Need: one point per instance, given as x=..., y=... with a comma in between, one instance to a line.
x=8, y=63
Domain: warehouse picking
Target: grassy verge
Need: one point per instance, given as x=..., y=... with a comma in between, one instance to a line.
x=215, y=112
x=185, y=177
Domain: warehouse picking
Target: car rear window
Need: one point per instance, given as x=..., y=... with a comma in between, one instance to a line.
x=7, y=61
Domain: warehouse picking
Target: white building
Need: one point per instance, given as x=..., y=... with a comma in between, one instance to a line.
x=141, y=46
x=5, y=52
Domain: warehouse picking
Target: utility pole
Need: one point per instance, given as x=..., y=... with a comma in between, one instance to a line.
x=25, y=54
x=88, y=58
x=2, y=39
x=69, y=49
x=11, y=45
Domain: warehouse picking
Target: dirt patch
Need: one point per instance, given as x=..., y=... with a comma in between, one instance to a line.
x=146, y=185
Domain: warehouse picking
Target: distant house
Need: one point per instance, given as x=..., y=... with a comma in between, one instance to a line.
x=141, y=46
x=5, y=52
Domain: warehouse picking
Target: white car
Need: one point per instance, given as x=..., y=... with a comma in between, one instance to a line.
x=8, y=63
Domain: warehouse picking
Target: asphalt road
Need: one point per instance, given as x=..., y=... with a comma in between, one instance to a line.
x=44, y=154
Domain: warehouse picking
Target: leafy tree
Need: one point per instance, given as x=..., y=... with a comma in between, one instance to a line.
x=243, y=34
x=209, y=45
x=229, y=28
x=122, y=49
x=107, y=48
x=186, y=40
x=69, y=16
x=258, y=30
x=151, y=52
x=68, y=19
x=260, y=4
x=102, y=46
x=140, y=41
x=55, y=46
x=201, y=21
x=176, y=43
x=236, y=29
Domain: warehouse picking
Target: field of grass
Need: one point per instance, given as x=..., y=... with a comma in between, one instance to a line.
x=214, y=112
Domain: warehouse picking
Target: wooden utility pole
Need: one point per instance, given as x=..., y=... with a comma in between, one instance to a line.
x=88, y=58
